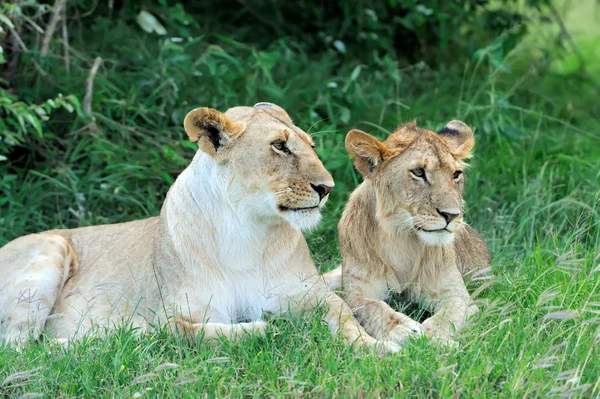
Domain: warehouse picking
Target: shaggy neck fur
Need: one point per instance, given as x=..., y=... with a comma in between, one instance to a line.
x=212, y=221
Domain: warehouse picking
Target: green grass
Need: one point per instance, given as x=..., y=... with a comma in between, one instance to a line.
x=533, y=192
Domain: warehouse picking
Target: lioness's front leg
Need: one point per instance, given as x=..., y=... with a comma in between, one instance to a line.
x=447, y=295
x=365, y=297
x=233, y=331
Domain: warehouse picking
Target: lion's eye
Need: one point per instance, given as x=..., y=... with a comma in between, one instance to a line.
x=419, y=172
x=457, y=174
x=279, y=146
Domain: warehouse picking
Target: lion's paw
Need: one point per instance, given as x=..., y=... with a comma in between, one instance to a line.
x=439, y=332
x=444, y=341
x=407, y=329
x=382, y=347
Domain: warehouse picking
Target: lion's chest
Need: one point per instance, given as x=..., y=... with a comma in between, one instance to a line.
x=402, y=276
x=408, y=270
x=414, y=268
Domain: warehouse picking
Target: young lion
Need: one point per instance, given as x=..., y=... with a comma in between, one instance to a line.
x=226, y=246
x=403, y=231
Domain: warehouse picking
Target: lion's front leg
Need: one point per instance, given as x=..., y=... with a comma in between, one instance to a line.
x=339, y=316
x=451, y=303
x=365, y=297
x=383, y=322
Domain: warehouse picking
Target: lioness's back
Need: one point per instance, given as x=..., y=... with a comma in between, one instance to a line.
x=111, y=245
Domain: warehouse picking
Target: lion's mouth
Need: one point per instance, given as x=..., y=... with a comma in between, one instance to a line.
x=432, y=231
x=284, y=208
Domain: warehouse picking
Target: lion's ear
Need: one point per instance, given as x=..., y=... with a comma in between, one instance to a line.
x=459, y=138
x=211, y=129
x=368, y=152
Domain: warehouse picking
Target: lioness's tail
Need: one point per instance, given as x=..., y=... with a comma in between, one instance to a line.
x=333, y=278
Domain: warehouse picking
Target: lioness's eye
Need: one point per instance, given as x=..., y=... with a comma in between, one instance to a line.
x=279, y=146
x=457, y=174
x=420, y=173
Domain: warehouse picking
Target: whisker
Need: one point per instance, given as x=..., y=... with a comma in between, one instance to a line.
x=314, y=124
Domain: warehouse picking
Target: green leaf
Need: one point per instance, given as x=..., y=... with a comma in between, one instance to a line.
x=75, y=102
x=68, y=107
x=6, y=21
x=149, y=23
x=167, y=178
x=353, y=76
x=190, y=145
x=268, y=60
x=344, y=115
x=355, y=72
x=231, y=41
x=35, y=122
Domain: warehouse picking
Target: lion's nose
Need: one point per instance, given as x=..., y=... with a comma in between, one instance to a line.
x=322, y=190
x=448, y=215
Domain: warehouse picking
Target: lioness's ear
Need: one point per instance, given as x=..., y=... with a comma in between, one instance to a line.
x=459, y=138
x=211, y=129
x=368, y=152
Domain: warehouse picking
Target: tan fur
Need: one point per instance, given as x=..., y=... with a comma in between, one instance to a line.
x=226, y=247
x=394, y=236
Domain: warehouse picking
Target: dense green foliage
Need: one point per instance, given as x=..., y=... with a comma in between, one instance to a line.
x=533, y=190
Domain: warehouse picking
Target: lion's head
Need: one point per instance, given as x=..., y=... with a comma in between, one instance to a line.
x=270, y=162
x=417, y=176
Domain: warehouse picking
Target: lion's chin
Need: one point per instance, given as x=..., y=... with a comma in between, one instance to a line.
x=304, y=219
x=436, y=238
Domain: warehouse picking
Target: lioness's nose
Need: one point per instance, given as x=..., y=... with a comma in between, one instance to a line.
x=322, y=190
x=449, y=216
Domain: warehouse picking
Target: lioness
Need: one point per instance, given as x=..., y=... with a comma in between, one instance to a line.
x=403, y=231
x=226, y=246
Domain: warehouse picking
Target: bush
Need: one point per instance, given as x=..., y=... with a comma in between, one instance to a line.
x=413, y=30
x=407, y=31
x=326, y=61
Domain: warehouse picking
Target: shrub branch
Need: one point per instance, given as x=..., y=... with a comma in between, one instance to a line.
x=51, y=28
x=89, y=89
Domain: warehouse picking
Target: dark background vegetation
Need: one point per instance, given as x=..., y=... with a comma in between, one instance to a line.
x=331, y=64
x=92, y=99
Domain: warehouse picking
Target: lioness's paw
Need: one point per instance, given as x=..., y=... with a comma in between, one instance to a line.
x=64, y=342
x=257, y=327
x=18, y=341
